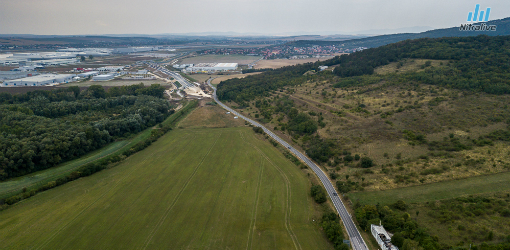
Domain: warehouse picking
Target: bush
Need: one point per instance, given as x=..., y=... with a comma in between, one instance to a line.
x=348, y=158
x=318, y=194
x=366, y=162
x=258, y=130
x=400, y=205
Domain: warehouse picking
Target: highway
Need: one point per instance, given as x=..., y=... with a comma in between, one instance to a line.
x=183, y=81
x=357, y=242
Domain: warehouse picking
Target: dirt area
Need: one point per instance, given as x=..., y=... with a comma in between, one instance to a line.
x=196, y=91
x=278, y=63
x=201, y=78
x=210, y=116
x=241, y=59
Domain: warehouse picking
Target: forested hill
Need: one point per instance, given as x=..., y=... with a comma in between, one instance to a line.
x=503, y=29
x=479, y=63
x=41, y=129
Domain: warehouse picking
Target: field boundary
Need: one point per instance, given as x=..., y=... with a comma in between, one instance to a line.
x=438, y=190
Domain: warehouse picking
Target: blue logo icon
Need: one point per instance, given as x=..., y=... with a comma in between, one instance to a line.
x=472, y=17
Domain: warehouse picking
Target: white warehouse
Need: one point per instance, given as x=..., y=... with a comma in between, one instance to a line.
x=212, y=67
x=100, y=78
x=40, y=80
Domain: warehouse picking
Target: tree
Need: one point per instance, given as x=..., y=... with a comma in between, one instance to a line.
x=82, y=58
x=398, y=240
x=356, y=157
x=411, y=245
x=400, y=205
x=366, y=162
x=91, y=57
x=318, y=194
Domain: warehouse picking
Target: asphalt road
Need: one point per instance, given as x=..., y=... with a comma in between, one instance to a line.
x=355, y=238
x=183, y=81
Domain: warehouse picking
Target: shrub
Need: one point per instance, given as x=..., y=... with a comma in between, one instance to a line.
x=366, y=162
x=318, y=194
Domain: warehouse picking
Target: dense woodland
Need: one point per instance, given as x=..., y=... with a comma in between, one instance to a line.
x=41, y=129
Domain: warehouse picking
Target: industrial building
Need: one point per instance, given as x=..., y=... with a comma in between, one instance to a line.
x=99, y=78
x=382, y=237
x=212, y=67
x=88, y=74
x=54, y=62
x=182, y=66
x=11, y=75
x=24, y=58
x=134, y=50
x=40, y=80
x=88, y=51
x=110, y=68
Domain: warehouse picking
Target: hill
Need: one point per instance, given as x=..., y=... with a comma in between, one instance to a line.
x=396, y=118
x=503, y=29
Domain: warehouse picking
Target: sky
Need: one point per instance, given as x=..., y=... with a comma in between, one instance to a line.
x=270, y=17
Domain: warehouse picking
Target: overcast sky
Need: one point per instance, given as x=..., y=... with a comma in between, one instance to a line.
x=73, y=17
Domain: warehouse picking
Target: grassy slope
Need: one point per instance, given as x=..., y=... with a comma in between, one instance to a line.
x=437, y=191
x=178, y=193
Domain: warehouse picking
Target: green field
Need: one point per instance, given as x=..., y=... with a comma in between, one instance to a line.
x=193, y=189
x=437, y=191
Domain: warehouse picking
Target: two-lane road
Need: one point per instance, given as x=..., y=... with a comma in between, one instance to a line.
x=356, y=240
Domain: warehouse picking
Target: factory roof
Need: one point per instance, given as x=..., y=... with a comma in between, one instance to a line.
x=226, y=65
x=40, y=78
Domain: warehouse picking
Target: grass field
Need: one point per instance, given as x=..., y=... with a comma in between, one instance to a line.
x=210, y=117
x=437, y=191
x=241, y=59
x=193, y=189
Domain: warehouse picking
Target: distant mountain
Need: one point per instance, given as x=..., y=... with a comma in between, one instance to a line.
x=415, y=29
x=503, y=28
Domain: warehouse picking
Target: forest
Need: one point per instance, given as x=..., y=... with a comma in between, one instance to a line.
x=41, y=129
